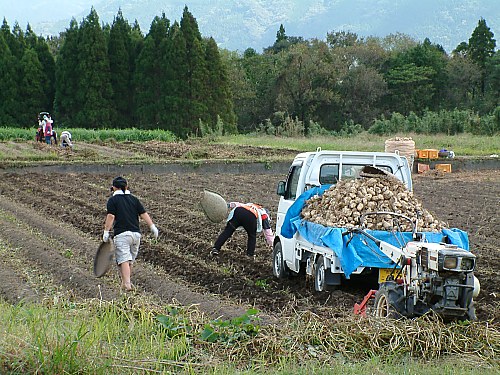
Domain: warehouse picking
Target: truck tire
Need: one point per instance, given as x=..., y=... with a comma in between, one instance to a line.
x=280, y=269
x=388, y=302
x=320, y=284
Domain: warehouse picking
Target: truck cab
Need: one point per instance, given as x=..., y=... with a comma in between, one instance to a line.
x=320, y=169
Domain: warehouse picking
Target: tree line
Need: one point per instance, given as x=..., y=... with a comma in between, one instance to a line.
x=97, y=75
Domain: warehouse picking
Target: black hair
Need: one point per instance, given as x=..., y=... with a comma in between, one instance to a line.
x=120, y=183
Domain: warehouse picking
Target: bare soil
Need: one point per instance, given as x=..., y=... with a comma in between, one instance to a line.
x=51, y=225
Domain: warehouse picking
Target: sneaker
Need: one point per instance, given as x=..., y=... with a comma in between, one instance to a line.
x=214, y=252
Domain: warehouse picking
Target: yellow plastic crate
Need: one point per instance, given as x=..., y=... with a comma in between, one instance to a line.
x=422, y=168
x=443, y=167
x=433, y=154
x=427, y=154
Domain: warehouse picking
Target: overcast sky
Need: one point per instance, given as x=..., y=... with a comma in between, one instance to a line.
x=25, y=11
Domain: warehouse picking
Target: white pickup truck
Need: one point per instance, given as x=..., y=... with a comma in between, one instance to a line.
x=319, y=168
x=417, y=271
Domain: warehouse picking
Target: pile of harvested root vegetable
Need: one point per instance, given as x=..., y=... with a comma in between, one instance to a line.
x=343, y=204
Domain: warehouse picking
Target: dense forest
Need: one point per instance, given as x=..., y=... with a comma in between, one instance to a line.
x=97, y=75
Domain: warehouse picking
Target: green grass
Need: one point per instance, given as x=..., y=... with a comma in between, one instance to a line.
x=133, y=335
x=462, y=144
x=91, y=135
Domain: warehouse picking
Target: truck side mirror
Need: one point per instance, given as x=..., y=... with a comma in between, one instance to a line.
x=281, y=188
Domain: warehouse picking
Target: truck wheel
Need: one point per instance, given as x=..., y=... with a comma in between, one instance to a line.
x=320, y=284
x=386, y=302
x=280, y=269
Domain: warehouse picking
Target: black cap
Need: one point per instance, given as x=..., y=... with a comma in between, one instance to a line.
x=120, y=183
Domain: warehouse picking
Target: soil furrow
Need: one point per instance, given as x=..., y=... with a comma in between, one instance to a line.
x=178, y=265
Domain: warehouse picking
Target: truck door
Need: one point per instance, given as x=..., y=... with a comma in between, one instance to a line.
x=286, y=200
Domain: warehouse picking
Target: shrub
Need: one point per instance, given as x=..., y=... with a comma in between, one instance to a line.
x=444, y=122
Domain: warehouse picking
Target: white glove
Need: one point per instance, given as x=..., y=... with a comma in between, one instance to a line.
x=105, y=236
x=154, y=230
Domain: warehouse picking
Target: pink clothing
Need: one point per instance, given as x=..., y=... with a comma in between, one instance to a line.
x=268, y=234
x=48, y=130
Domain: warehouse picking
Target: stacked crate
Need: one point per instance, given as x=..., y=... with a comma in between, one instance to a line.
x=430, y=154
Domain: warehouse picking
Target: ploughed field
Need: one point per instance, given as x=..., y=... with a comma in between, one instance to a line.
x=51, y=225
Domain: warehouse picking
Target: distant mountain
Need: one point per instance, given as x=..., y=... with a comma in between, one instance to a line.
x=239, y=24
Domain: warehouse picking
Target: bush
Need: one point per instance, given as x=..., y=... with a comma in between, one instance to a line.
x=282, y=125
x=349, y=129
x=444, y=122
x=316, y=129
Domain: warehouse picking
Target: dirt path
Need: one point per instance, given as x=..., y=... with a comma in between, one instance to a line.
x=57, y=236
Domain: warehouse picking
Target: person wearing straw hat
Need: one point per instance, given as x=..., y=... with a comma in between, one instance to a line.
x=123, y=213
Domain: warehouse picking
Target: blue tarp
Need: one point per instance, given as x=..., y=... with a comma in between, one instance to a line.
x=357, y=250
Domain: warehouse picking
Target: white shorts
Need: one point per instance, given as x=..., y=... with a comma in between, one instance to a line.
x=126, y=246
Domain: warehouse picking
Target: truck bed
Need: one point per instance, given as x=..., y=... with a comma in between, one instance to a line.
x=355, y=250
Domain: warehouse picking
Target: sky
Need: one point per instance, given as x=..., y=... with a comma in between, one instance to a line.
x=31, y=11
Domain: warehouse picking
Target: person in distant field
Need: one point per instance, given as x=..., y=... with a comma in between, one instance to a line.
x=54, y=133
x=40, y=135
x=66, y=139
x=123, y=213
x=253, y=218
x=47, y=129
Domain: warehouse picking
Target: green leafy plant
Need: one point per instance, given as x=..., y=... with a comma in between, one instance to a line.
x=174, y=323
x=230, y=331
x=262, y=284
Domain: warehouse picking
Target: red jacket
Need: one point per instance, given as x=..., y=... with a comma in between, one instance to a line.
x=48, y=129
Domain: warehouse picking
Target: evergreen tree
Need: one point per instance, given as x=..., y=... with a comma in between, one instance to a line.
x=14, y=39
x=66, y=105
x=417, y=78
x=410, y=88
x=492, y=84
x=31, y=87
x=94, y=85
x=283, y=41
x=281, y=35
x=40, y=46
x=196, y=72
x=136, y=45
x=433, y=57
x=150, y=75
x=30, y=37
x=219, y=99
x=174, y=85
x=461, y=49
x=9, y=95
x=481, y=48
x=119, y=50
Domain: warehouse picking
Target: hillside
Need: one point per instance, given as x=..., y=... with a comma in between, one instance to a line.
x=237, y=25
